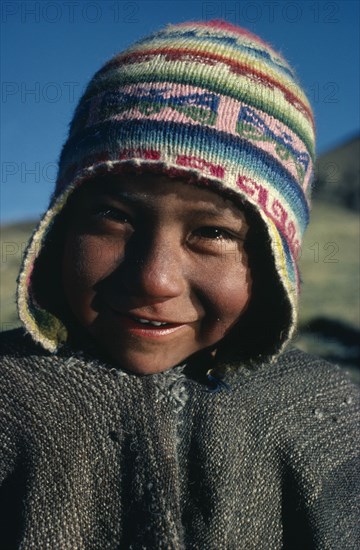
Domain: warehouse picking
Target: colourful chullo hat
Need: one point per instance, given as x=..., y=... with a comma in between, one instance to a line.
x=203, y=100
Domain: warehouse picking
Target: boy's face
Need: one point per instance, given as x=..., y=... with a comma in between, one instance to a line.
x=151, y=248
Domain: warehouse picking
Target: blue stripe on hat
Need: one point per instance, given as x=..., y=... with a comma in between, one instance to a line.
x=188, y=138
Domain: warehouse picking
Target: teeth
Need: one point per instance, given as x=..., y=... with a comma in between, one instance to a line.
x=147, y=322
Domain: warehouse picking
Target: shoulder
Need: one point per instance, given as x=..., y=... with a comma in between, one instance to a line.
x=17, y=349
x=317, y=439
x=296, y=374
x=315, y=380
x=299, y=396
x=292, y=373
x=311, y=385
x=315, y=387
x=19, y=358
x=28, y=373
x=15, y=341
x=315, y=407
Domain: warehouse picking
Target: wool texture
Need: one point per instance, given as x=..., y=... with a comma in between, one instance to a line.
x=205, y=101
x=93, y=458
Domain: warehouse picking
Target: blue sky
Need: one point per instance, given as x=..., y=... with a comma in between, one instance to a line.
x=51, y=49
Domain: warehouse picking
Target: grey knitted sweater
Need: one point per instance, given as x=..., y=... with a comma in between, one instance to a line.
x=95, y=458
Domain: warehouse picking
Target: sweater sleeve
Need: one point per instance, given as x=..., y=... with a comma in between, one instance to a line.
x=13, y=463
x=322, y=465
x=7, y=453
x=12, y=383
x=335, y=511
x=8, y=438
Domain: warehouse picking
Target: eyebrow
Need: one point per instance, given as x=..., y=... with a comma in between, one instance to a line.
x=143, y=199
x=125, y=196
x=146, y=201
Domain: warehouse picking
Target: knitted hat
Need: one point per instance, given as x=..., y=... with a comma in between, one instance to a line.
x=207, y=101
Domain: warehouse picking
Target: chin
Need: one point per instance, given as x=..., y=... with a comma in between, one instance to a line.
x=141, y=371
x=144, y=369
x=142, y=366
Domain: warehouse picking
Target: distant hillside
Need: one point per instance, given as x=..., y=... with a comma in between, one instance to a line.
x=14, y=239
x=338, y=175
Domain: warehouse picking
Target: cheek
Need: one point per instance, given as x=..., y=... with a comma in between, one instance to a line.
x=87, y=261
x=232, y=296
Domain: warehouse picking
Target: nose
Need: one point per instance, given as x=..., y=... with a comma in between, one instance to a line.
x=155, y=267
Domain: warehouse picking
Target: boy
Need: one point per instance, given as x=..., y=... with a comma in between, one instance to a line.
x=150, y=403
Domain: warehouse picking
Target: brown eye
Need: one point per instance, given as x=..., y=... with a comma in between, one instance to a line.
x=110, y=213
x=214, y=233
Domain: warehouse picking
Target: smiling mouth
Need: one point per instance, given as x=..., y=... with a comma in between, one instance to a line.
x=139, y=326
x=152, y=323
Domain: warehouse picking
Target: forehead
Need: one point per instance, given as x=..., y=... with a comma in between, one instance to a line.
x=154, y=191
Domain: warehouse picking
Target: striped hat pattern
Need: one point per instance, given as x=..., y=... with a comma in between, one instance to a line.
x=205, y=100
